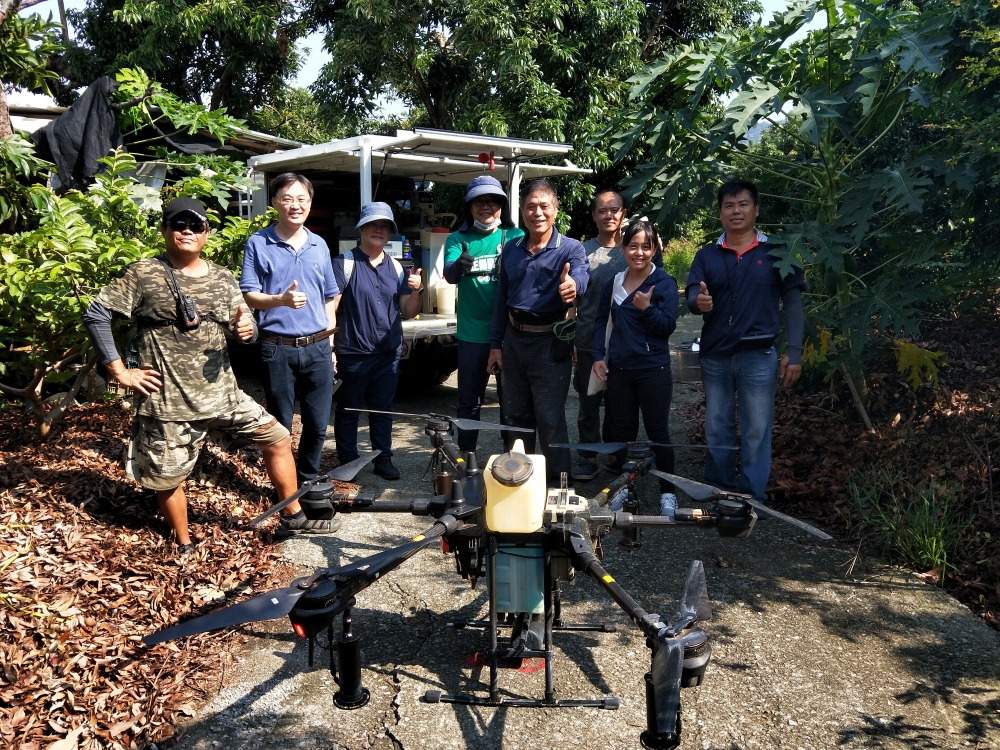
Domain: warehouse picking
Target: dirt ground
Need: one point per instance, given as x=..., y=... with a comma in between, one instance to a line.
x=813, y=648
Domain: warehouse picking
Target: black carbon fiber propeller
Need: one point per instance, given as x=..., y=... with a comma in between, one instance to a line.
x=344, y=473
x=460, y=422
x=267, y=606
x=700, y=491
x=607, y=448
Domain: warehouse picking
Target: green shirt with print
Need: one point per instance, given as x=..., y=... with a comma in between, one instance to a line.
x=477, y=290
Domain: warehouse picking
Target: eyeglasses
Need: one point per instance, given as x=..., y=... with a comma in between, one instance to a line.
x=195, y=225
x=487, y=200
x=610, y=211
x=289, y=202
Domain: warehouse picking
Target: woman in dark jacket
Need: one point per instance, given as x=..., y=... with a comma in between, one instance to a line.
x=641, y=305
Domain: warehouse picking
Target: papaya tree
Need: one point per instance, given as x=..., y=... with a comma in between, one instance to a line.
x=822, y=107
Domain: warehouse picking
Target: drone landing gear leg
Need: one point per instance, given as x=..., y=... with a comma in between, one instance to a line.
x=352, y=693
x=550, y=690
x=651, y=738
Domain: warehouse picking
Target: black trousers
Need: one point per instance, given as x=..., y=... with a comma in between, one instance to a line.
x=535, y=388
x=472, y=381
x=647, y=391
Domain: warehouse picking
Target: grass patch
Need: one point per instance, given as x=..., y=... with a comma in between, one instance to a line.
x=918, y=525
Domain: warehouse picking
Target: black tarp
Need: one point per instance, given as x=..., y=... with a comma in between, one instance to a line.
x=81, y=135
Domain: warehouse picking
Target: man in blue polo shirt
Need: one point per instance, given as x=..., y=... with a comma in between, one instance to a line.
x=540, y=277
x=377, y=293
x=287, y=276
x=733, y=283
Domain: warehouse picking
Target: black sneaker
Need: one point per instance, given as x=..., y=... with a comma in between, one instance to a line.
x=384, y=468
x=586, y=471
x=292, y=526
x=184, y=551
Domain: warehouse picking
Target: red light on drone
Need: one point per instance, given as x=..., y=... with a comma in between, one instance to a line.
x=299, y=629
x=445, y=547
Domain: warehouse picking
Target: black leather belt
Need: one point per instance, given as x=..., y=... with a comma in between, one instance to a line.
x=298, y=340
x=527, y=328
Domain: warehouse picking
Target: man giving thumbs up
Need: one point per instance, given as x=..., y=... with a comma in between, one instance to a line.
x=288, y=278
x=540, y=278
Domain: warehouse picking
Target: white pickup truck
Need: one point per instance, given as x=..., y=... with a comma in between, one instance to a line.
x=400, y=170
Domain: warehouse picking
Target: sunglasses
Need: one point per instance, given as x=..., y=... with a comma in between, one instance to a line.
x=195, y=225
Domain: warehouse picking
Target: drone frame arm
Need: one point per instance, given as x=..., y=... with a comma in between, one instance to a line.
x=585, y=559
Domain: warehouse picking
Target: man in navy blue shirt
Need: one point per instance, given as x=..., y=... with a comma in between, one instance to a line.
x=733, y=283
x=288, y=278
x=377, y=293
x=540, y=278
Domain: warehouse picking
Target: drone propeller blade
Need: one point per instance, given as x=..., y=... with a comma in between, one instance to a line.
x=267, y=606
x=694, y=602
x=393, y=413
x=474, y=424
x=697, y=490
x=695, y=445
x=279, y=506
x=788, y=519
x=605, y=448
x=667, y=671
x=348, y=471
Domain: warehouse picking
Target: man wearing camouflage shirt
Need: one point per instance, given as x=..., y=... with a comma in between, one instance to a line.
x=185, y=390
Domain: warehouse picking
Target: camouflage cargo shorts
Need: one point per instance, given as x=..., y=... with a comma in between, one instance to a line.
x=162, y=454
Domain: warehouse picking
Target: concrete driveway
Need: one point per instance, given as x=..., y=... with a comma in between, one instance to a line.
x=812, y=648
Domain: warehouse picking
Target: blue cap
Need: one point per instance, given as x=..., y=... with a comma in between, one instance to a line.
x=377, y=211
x=485, y=185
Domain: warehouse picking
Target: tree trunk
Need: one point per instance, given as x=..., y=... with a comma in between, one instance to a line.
x=56, y=412
x=6, y=129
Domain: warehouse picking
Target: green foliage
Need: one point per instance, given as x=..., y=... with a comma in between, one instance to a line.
x=78, y=243
x=917, y=525
x=678, y=255
x=235, y=54
x=821, y=119
x=26, y=44
x=918, y=364
x=295, y=115
x=18, y=166
x=134, y=85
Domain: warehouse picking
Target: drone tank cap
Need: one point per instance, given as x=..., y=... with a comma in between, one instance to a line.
x=512, y=469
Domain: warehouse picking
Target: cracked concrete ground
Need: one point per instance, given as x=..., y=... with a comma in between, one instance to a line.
x=809, y=650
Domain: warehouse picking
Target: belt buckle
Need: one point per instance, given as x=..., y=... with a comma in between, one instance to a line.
x=302, y=341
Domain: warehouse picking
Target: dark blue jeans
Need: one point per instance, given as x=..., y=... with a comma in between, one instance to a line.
x=749, y=379
x=472, y=381
x=367, y=378
x=305, y=373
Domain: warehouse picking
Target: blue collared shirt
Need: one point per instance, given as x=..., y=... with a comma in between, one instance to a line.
x=270, y=265
x=368, y=315
x=531, y=282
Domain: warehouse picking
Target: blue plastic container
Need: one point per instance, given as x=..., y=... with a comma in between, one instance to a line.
x=520, y=583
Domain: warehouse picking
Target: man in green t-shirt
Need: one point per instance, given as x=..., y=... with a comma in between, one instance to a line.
x=472, y=260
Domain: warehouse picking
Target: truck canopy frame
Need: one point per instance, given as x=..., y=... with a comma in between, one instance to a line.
x=424, y=154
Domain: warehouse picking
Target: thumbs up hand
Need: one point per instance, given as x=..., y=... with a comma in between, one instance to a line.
x=292, y=298
x=413, y=281
x=244, y=324
x=704, y=299
x=567, y=286
x=641, y=300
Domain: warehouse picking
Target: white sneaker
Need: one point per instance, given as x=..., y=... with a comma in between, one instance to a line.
x=668, y=504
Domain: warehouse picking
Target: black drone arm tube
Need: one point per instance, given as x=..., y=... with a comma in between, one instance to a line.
x=585, y=559
x=604, y=496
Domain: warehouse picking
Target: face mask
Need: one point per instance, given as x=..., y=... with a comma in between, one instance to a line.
x=486, y=227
